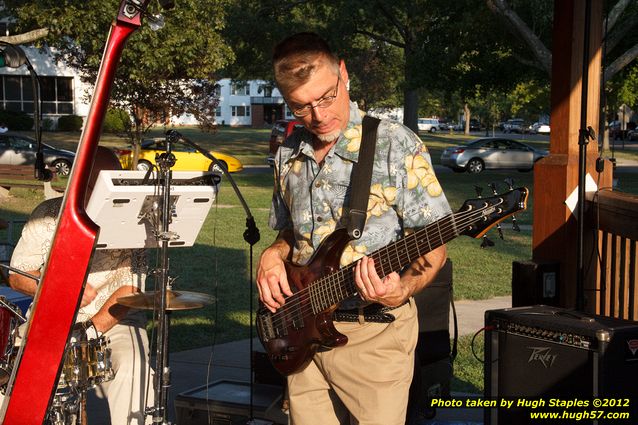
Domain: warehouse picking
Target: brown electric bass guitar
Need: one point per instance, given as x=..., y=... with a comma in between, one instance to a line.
x=292, y=334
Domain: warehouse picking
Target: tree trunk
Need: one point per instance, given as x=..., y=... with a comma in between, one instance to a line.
x=466, y=111
x=411, y=109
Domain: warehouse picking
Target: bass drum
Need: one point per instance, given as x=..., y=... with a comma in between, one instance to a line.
x=9, y=322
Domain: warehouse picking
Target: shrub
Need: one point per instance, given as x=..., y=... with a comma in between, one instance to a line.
x=16, y=120
x=48, y=124
x=116, y=121
x=70, y=123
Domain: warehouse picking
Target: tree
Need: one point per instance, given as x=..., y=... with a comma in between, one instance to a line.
x=159, y=71
x=621, y=22
x=619, y=37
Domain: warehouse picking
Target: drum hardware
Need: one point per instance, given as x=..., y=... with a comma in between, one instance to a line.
x=9, y=315
x=175, y=300
x=87, y=363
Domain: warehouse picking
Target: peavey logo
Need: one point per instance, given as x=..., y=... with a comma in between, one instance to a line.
x=543, y=355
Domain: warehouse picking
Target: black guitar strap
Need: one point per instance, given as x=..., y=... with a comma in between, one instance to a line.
x=361, y=178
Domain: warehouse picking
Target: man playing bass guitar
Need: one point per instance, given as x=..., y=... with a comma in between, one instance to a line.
x=368, y=378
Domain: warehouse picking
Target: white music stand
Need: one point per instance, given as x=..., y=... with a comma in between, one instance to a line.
x=125, y=206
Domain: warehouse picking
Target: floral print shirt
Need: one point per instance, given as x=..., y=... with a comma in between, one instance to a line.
x=109, y=269
x=309, y=199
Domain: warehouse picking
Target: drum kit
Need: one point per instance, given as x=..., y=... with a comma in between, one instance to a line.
x=87, y=362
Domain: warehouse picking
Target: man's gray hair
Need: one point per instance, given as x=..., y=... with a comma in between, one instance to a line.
x=297, y=58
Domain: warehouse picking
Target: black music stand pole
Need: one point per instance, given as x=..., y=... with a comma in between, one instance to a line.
x=162, y=369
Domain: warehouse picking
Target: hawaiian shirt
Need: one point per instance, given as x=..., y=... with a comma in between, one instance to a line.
x=309, y=199
x=109, y=270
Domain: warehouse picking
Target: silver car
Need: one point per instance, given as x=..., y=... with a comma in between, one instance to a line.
x=491, y=153
x=20, y=150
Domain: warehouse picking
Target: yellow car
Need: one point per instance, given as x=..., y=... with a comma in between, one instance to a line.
x=186, y=158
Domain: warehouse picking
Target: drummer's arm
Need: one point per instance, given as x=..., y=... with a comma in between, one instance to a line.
x=112, y=312
x=24, y=284
x=28, y=286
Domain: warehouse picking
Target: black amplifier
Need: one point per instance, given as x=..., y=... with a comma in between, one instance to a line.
x=542, y=352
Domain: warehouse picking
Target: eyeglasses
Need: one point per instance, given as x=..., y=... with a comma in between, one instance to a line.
x=324, y=102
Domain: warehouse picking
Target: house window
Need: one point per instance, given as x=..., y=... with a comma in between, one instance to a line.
x=218, y=111
x=240, y=111
x=240, y=88
x=56, y=94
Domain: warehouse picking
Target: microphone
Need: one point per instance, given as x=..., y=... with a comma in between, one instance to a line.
x=12, y=56
x=41, y=172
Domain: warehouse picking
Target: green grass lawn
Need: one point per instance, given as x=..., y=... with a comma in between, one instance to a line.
x=218, y=264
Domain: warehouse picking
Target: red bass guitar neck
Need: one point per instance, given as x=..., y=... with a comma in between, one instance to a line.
x=37, y=366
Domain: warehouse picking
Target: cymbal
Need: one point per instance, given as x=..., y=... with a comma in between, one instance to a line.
x=175, y=300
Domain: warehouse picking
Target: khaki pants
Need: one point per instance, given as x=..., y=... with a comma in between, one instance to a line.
x=126, y=394
x=365, y=382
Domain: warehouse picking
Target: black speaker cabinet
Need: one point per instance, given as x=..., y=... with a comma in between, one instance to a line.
x=548, y=353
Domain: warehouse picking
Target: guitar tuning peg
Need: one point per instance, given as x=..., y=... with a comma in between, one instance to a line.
x=493, y=187
x=509, y=182
x=479, y=190
x=487, y=242
x=515, y=225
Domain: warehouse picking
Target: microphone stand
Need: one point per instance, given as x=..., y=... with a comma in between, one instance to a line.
x=584, y=134
x=251, y=236
x=162, y=369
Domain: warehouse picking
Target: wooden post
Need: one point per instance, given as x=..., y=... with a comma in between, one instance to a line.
x=556, y=176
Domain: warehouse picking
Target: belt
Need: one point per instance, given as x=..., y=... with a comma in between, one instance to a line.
x=375, y=313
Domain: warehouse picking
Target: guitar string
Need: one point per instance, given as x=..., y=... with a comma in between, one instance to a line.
x=293, y=308
x=301, y=308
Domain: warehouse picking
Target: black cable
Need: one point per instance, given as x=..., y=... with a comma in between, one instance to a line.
x=485, y=328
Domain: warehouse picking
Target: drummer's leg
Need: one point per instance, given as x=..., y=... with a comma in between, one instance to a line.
x=127, y=392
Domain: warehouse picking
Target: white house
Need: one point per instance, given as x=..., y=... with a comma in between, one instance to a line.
x=254, y=103
x=241, y=103
x=61, y=89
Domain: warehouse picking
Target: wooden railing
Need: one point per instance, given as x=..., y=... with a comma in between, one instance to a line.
x=615, y=214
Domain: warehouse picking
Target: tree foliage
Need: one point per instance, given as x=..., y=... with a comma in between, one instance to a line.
x=159, y=70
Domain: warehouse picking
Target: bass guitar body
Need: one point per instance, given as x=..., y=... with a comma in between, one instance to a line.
x=292, y=338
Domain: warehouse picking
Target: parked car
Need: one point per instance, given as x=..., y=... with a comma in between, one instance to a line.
x=632, y=135
x=280, y=132
x=491, y=153
x=186, y=158
x=539, y=128
x=475, y=125
x=514, y=125
x=21, y=150
x=428, y=124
